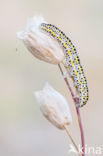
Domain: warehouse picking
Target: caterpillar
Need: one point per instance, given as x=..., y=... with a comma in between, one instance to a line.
x=72, y=61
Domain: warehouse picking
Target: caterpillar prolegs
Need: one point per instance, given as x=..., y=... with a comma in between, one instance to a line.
x=72, y=61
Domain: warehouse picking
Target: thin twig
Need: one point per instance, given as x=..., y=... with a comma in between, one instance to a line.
x=76, y=147
x=77, y=110
x=81, y=130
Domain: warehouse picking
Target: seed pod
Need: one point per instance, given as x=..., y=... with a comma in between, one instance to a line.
x=39, y=43
x=54, y=106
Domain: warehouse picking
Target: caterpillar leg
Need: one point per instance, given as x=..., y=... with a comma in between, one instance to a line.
x=65, y=74
x=77, y=105
x=76, y=99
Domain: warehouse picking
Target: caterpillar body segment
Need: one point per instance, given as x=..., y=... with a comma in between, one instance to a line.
x=72, y=61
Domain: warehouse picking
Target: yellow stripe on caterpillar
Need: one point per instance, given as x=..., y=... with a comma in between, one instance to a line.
x=72, y=61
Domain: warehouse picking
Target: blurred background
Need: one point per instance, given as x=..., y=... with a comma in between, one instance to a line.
x=23, y=129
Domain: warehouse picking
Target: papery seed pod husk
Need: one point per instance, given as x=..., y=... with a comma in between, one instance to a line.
x=39, y=43
x=54, y=106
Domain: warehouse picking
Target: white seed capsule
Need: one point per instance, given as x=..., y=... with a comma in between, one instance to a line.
x=54, y=106
x=39, y=43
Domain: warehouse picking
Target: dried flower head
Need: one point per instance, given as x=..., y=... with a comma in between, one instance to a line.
x=39, y=43
x=54, y=106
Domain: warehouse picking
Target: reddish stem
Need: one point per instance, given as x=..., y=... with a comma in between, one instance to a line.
x=77, y=110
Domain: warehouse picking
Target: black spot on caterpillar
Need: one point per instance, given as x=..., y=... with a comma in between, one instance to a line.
x=72, y=61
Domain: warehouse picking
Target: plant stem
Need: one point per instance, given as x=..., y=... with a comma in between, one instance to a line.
x=77, y=111
x=76, y=147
